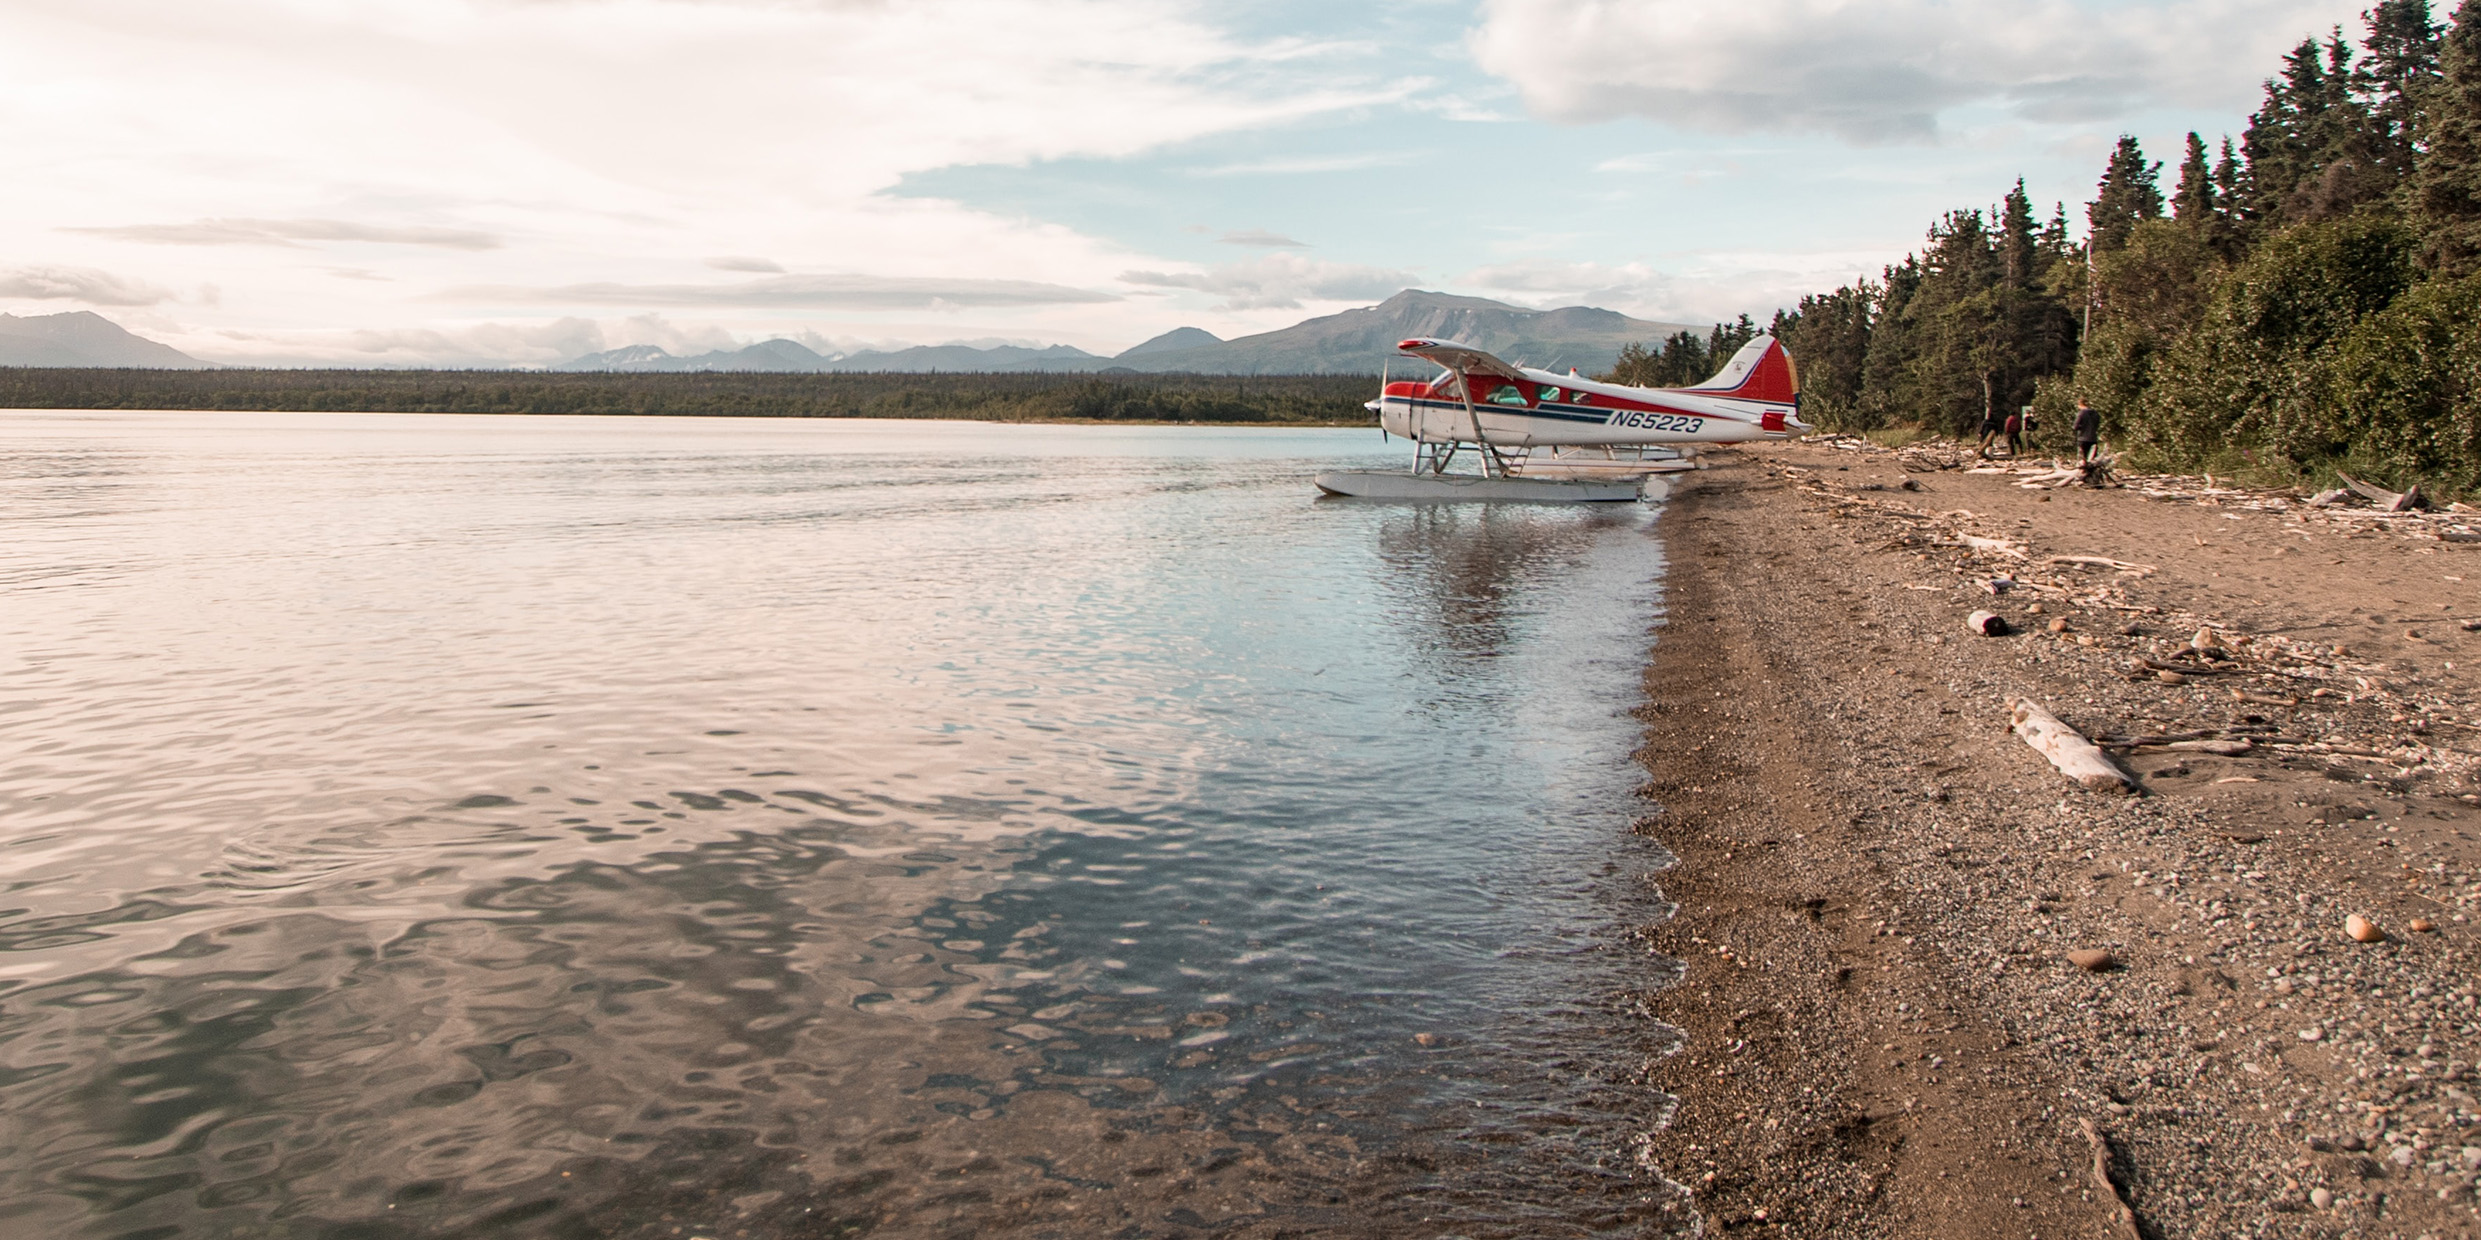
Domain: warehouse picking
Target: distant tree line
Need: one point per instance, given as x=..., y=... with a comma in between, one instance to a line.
x=1005, y=397
x=2304, y=299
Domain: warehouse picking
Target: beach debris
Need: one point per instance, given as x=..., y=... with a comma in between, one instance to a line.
x=2067, y=748
x=2123, y=1218
x=1999, y=585
x=1986, y=624
x=2224, y=749
x=2101, y=561
x=2092, y=959
x=2391, y=501
x=2328, y=499
x=2363, y=930
x=2423, y=925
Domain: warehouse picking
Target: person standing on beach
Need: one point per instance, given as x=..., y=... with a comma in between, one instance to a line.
x=2015, y=435
x=2088, y=432
x=1990, y=427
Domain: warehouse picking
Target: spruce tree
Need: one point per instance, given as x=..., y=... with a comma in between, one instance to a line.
x=2019, y=244
x=2449, y=183
x=2130, y=190
x=2193, y=202
x=2402, y=43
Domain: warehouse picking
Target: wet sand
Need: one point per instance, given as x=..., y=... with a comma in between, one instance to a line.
x=1879, y=882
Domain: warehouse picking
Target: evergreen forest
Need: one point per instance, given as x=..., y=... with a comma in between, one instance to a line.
x=2303, y=299
x=1319, y=400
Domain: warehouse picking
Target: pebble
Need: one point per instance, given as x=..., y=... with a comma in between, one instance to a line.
x=2091, y=959
x=2206, y=639
x=2171, y=678
x=2423, y=925
x=2059, y=625
x=1426, y=1039
x=2472, y=1158
x=2362, y=929
x=2312, y=1034
x=2321, y=1198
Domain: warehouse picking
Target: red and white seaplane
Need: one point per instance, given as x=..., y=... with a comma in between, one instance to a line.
x=1549, y=438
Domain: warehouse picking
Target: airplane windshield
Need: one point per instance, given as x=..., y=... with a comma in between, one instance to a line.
x=1444, y=385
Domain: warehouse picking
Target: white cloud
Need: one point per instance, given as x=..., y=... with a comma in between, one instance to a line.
x=1885, y=70
x=824, y=292
x=291, y=233
x=1260, y=237
x=605, y=149
x=1281, y=282
x=86, y=284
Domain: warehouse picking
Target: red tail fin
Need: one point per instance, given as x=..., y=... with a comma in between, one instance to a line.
x=1761, y=370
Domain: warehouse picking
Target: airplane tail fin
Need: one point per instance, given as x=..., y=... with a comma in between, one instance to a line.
x=1761, y=370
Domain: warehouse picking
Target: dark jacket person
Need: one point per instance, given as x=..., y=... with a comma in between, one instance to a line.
x=2088, y=430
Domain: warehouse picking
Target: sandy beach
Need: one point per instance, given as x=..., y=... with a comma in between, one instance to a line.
x=1880, y=883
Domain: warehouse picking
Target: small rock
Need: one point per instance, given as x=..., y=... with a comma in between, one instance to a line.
x=2423, y=925
x=2353, y=1141
x=2033, y=609
x=2472, y=1158
x=2171, y=678
x=2132, y=630
x=2321, y=1198
x=2206, y=639
x=1426, y=1039
x=2091, y=959
x=2059, y=625
x=2315, y=1034
x=2362, y=930
x=2404, y=1156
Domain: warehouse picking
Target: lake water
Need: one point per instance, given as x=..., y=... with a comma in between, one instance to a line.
x=426, y=826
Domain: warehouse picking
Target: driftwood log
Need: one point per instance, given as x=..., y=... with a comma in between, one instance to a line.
x=2067, y=748
x=2391, y=501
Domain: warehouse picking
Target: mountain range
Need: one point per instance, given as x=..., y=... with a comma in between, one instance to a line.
x=1358, y=341
x=84, y=338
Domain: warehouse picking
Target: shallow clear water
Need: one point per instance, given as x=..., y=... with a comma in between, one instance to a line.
x=461, y=825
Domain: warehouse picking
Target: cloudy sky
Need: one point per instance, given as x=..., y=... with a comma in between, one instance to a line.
x=411, y=182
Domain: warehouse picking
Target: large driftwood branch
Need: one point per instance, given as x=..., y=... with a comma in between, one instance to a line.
x=2389, y=500
x=2067, y=749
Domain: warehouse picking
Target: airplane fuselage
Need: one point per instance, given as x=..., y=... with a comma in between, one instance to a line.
x=1548, y=410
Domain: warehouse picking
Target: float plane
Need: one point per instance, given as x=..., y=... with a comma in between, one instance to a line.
x=1552, y=438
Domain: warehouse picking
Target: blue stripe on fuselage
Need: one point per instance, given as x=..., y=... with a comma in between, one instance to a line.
x=1595, y=418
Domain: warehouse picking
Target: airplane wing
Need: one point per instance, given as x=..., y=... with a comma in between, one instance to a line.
x=1464, y=359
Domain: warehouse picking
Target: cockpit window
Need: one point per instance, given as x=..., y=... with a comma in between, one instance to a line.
x=1507, y=394
x=1444, y=385
x=1548, y=395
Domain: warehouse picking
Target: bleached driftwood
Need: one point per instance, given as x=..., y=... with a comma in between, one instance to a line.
x=2391, y=501
x=2100, y=561
x=2067, y=748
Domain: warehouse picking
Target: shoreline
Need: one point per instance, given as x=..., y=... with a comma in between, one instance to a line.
x=1878, y=882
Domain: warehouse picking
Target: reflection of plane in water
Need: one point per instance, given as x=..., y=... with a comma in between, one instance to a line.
x=1565, y=438
x=1464, y=574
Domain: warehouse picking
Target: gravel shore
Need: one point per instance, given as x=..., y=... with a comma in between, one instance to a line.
x=1880, y=885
